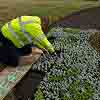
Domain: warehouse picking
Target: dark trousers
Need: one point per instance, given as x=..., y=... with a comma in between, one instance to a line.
x=9, y=54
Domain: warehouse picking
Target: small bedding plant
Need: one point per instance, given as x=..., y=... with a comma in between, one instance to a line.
x=71, y=73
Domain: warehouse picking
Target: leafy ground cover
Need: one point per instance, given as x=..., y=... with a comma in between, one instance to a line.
x=71, y=73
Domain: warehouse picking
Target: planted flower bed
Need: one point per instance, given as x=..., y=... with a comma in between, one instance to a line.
x=71, y=73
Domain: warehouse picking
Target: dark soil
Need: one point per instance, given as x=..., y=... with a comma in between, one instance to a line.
x=84, y=19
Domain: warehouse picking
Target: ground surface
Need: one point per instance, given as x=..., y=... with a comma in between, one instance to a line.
x=85, y=19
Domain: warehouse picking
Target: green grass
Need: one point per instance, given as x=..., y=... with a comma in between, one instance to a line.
x=42, y=7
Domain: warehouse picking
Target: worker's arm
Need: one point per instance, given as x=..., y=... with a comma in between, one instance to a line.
x=35, y=30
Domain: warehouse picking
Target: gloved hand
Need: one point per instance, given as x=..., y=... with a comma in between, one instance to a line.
x=36, y=50
x=27, y=60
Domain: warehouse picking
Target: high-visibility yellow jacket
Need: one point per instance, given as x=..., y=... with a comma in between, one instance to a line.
x=25, y=30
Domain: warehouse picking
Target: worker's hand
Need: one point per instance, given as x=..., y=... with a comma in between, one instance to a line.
x=36, y=51
x=27, y=60
x=45, y=51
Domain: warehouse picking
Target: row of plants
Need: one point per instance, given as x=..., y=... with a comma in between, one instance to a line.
x=71, y=73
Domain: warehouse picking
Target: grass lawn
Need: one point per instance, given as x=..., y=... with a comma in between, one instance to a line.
x=62, y=8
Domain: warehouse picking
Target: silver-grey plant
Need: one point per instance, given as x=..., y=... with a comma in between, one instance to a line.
x=70, y=74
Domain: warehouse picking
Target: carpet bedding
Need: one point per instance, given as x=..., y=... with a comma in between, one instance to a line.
x=72, y=73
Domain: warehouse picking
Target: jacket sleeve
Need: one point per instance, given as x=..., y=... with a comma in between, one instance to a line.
x=35, y=31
